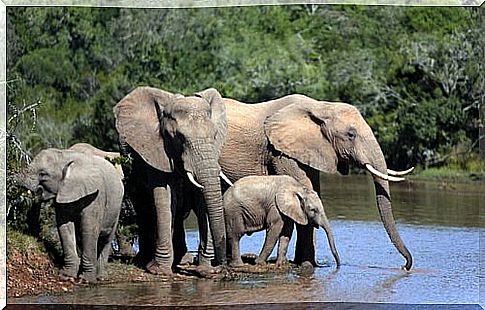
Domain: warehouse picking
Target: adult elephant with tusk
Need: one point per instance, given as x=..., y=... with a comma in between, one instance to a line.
x=175, y=142
x=301, y=137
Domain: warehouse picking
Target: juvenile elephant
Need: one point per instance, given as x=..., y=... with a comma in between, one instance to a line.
x=88, y=192
x=273, y=203
x=175, y=142
x=301, y=137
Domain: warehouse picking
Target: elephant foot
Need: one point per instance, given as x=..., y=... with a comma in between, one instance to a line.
x=64, y=277
x=102, y=276
x=282, y=262
x=217, y=272
x=88, y=278
x=155, y=267
x=68, y=274
x=236, y=263
x=204, y=261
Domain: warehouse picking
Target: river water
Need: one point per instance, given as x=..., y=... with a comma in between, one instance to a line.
x=439, y=222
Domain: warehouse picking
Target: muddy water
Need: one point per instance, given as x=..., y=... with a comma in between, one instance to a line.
x=440, y=223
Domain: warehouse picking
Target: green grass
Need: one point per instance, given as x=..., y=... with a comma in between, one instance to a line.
x=23, y=243
x=464, y=168
x=448, y=173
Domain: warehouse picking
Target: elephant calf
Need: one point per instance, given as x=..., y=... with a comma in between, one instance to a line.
x=88, y=192
x=273, y=203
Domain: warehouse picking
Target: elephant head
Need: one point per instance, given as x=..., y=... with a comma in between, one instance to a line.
x=174, y=133
x=65, y=175
x=327, y=137
x=303, y=205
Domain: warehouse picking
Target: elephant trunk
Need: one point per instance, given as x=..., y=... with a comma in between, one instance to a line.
x=331, y=241
x=207, y=172
x=383, y=200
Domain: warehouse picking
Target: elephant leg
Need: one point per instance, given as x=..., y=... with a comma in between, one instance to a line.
x=233, y=242
x=163, y=260
x=305, y=241
x=206, y=246
x=104, y=245
x=68, y=242
x=146, y=222
x=178, y=240
x=284, y=240
x=305, y=245
x=272, y=234
x=89, y=255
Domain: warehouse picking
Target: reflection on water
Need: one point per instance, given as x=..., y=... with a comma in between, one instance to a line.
x=415, y=202
x=440, y=226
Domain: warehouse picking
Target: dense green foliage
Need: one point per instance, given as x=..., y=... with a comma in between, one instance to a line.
x=416, y=73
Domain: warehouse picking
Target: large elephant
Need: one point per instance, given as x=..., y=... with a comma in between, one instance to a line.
x=88, y=192
x=175, y=142
x=273, y=203
x=301, y=137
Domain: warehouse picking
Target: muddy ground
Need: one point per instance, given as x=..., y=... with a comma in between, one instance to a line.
x=35, y=274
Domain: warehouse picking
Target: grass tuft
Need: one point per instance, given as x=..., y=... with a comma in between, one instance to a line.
x=24, y=244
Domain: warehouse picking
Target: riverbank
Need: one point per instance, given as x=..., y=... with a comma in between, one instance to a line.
x=31, y=271
x=448, y=175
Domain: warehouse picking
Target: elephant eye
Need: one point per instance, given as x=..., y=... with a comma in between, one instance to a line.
x=351, y=134
x=43, y=176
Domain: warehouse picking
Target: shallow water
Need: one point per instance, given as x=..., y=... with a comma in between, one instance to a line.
x=440, y=224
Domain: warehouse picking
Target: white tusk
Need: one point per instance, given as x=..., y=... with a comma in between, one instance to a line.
x=225, y=178
x=192, y=179
x=392, y=172
x=382, y=175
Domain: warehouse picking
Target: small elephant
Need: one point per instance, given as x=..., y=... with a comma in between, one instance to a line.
x=273, y=203
x=88, y=193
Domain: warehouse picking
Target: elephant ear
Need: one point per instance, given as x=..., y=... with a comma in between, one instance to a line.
x=289, y=204
x=138, y=124
x=295, y=131
x=78, y=181
x=218, y=115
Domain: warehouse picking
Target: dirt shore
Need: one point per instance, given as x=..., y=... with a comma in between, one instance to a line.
x=35, y=274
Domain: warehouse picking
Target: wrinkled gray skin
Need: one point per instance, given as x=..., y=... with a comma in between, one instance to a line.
x=301, y=137
x=87, y=148
x=273, y=203
x=169, y=136
x=88, y=192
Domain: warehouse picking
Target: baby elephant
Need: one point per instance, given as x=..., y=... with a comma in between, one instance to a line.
x=88, y=192
x=273, y=203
